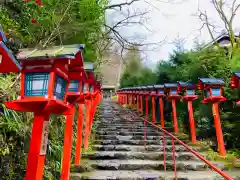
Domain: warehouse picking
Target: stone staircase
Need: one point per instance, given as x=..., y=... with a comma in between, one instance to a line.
x=120, y=153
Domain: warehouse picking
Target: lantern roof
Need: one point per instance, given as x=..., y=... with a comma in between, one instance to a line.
x=54, y=52
x=187, y=85
x=8, y=61
x=88, y=66
x=2, y=35
x=171, y=85
x=150, y=86
x=144, y=87
x=158, y=86
x=211, y=81
x=237, y=74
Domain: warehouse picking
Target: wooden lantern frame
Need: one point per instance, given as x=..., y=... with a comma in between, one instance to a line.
x=169, y=88
x=187, y=87
x=159, y=87
x=207, y=85
x=53, y=64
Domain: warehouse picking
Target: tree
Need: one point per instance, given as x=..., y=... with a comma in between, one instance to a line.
x=135, y=73
x=221, y=8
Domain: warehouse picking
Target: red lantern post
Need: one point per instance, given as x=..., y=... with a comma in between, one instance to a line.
x=141, y=96
x=189, y=95
x=146, y=93
x=160, y=93
x=138, y=89
x=89, y=85
x=153, y=95
x=172, y=90
x=213, y=94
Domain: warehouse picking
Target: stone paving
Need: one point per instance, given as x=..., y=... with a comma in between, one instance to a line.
x=121, y=153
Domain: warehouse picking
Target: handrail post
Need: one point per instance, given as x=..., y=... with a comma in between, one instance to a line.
x=164, y=151
x=145, y=133
x=141, y=102
x=174, y=159
x=219, y=134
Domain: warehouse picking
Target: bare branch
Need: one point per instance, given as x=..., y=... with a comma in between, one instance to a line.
x=120, y=5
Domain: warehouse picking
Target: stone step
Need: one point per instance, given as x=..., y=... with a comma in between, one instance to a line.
x=118, y=164
x=133, y=142
x=128, y=130
x=127, y=133
x=145, y=175
x=104, y=155
x=137, y=137
x=140, y=148
x=126, y=126
x=122, y=122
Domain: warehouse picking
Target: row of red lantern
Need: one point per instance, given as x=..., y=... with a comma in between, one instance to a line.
x=53, y=81
x=213, y=90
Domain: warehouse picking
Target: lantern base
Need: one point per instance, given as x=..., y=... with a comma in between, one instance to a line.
x=72, y=97
x=174, y=97
x=81, y=99
x=189, y=98
x=214, y=99
x=88, y=96
x=39, y=105
x=160, y=95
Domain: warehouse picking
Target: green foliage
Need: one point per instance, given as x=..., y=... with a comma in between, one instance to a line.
x=57, y=22
x=135, y=73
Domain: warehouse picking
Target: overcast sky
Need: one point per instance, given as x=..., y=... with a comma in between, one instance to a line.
x=167, y=21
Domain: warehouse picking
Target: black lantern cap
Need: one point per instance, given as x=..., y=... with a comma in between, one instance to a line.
x=158, y=86
x=150, y=86
x=88, y=66
x=212, y=81
x=186, y=85
x=171, y=85
x=237, y=74
x=144, y=87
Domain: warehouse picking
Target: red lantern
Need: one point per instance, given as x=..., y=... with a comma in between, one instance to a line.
x=213, y=89
x=214, y=94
